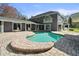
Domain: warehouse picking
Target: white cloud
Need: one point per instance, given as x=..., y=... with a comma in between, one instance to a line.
x=66, y=12
x=61, y=11
x=39, y=13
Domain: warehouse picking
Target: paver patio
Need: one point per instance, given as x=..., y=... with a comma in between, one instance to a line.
x=6, y=38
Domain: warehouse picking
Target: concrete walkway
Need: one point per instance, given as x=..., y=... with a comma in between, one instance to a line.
x=66, y=32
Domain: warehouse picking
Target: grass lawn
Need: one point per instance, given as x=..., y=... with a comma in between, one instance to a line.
x=74, y=29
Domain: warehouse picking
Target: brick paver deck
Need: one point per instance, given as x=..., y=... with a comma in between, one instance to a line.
x=6, y=38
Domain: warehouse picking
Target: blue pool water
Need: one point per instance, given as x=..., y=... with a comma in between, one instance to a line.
x=44, y=37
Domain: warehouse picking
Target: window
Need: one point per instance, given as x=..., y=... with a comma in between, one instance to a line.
x=60, y=20
x=18, y=25
x=47, y=19
x=28, y=25
x=15, y=26
x=48, y=26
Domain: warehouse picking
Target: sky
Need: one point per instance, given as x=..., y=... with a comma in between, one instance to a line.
x=32, y=9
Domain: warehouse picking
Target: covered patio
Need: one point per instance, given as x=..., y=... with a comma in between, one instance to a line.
x=11, y=25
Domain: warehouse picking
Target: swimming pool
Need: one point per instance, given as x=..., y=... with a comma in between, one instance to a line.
x=44, y=37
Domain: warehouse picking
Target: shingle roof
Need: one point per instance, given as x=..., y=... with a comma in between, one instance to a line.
x=47, y=13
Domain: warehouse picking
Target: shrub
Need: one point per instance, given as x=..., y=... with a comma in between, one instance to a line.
x=71, y=29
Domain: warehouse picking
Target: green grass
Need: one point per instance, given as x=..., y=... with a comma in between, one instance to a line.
x=74, y=29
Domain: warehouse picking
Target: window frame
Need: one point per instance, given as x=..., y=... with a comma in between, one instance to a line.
x=47, y=19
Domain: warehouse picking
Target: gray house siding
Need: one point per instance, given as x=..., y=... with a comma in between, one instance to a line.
x=54, y=22
x=54, y=19
x=60, y=23
x=7, y=26
x=38, y=20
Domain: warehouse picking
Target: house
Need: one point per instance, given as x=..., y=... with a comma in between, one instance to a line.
x=49, y=21
x=11, y=20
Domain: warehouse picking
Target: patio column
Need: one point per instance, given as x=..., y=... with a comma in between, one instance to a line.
x=30, y=26
x=25, y=27
x=2, y=26
x=21, y=26
x=44, y=26
x=35, y=27
x=61, y=27
x=12, y=26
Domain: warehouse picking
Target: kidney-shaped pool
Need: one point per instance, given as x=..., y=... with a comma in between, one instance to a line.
x=44, y=37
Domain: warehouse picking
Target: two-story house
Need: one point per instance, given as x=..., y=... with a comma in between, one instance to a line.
x=49, y=21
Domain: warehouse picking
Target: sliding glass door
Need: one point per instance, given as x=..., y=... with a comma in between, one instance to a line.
x=48, y=27
x=17, y=26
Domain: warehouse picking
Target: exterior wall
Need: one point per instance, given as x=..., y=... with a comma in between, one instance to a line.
x=23, y=27
x=54, y=22
x=7, y=26
x=42, y=20
x=60, y=23
x=37, y=20
x=0, y=26
x=60, y=20
x=47, y=19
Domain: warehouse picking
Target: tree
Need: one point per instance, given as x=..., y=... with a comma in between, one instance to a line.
x=70, y=21
x=9, y=11
x=24, y=17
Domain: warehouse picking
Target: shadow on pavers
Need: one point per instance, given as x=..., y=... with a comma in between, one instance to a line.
x=69, y=44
